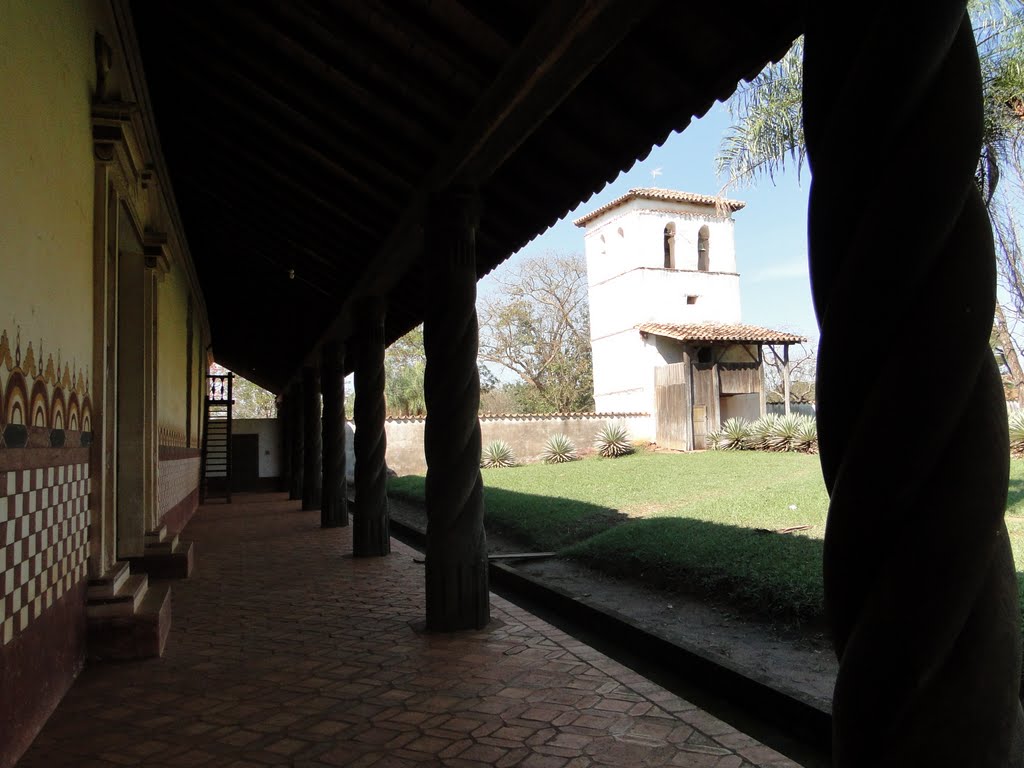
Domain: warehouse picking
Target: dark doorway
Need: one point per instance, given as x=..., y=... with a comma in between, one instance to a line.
x=245, y=462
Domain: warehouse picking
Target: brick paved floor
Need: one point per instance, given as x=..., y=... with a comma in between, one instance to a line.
x=285, y=650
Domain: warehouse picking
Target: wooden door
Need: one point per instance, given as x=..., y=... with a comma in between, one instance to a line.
x=672, y=400
x=705, y=403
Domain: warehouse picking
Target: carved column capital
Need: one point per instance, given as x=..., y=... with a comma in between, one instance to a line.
x=156, y=253
x=114, y=136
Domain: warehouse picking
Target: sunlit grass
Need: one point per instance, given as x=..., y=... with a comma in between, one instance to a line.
x=710, y=522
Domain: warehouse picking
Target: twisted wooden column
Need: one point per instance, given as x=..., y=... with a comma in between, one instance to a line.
x=298, y=442
x=334, y=501
x=284, y=420
x=311, y=432
x=456, y=559
x=920, y=588
x=371, y=533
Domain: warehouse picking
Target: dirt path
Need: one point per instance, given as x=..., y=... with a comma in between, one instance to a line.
x=798, y=662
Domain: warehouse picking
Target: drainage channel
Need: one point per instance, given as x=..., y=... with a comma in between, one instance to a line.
x=798, y=729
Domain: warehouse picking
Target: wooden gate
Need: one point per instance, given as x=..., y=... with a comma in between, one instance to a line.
x=672, y=399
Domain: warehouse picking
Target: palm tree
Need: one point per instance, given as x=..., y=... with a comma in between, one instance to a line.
x=766, y=138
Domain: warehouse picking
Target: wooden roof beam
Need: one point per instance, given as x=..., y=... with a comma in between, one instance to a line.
x=564, y=45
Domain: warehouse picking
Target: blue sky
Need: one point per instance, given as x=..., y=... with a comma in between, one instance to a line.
x=771, y=231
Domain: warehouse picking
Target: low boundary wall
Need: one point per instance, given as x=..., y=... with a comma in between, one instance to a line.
x=526, y=434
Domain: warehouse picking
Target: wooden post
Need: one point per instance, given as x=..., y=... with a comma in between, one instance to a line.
x=785, y=375
x=311, y=433
x=334, y=502
x=456, y=557
x=371, y=534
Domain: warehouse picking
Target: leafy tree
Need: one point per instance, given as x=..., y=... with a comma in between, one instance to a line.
x=767, y=136
x=767, y=112
x=404, y=363
x=251, y=400
x=537, y=325
x=802, y=365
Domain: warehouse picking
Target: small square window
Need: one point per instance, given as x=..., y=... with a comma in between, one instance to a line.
x=691, y=299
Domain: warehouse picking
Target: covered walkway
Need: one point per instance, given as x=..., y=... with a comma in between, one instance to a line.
x=286, y=650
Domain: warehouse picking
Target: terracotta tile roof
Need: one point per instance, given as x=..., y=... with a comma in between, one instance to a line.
x=720, y=332
x=668, y=195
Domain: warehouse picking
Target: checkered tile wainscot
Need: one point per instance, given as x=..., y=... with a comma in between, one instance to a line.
x=44, y=543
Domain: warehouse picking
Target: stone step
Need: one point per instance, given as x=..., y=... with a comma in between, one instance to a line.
x=139, y=636
x=157, y=535
x=109, y=583
x=165, y=546
x=124, y=602
x=171, y=559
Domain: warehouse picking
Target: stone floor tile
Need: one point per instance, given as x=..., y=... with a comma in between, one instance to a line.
x=285, y=650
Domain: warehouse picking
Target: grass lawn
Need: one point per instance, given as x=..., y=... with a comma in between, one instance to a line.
x=702, y=521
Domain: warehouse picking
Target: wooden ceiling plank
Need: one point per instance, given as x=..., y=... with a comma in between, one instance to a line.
x=269, y=208
x=401, y=38
x=293, y=253
x=265, y=170
x=471, y=29
x=279, y=137
x=385, y=111
x=313, y=135
x=260, y=76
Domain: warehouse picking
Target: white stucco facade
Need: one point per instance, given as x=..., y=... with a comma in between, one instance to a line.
x=654, y=256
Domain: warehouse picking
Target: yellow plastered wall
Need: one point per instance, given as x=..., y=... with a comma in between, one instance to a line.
x=172, y=353
x=47, y=77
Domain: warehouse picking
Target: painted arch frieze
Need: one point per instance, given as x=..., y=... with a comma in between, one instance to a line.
x=44, y=398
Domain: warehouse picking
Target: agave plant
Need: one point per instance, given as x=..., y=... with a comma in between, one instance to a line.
x=733, y=435
x=1017, y=432
x=759, y=434
x=559, y=449
x=807, y=435
x=613, y=441
x=713, y=439
x=786, y=434
x=497, y=453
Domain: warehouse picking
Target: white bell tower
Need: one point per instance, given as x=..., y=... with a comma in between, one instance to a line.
x=654, y=256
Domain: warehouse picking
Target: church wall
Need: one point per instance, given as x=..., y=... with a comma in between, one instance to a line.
x=46, y=351
x=63, y=190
